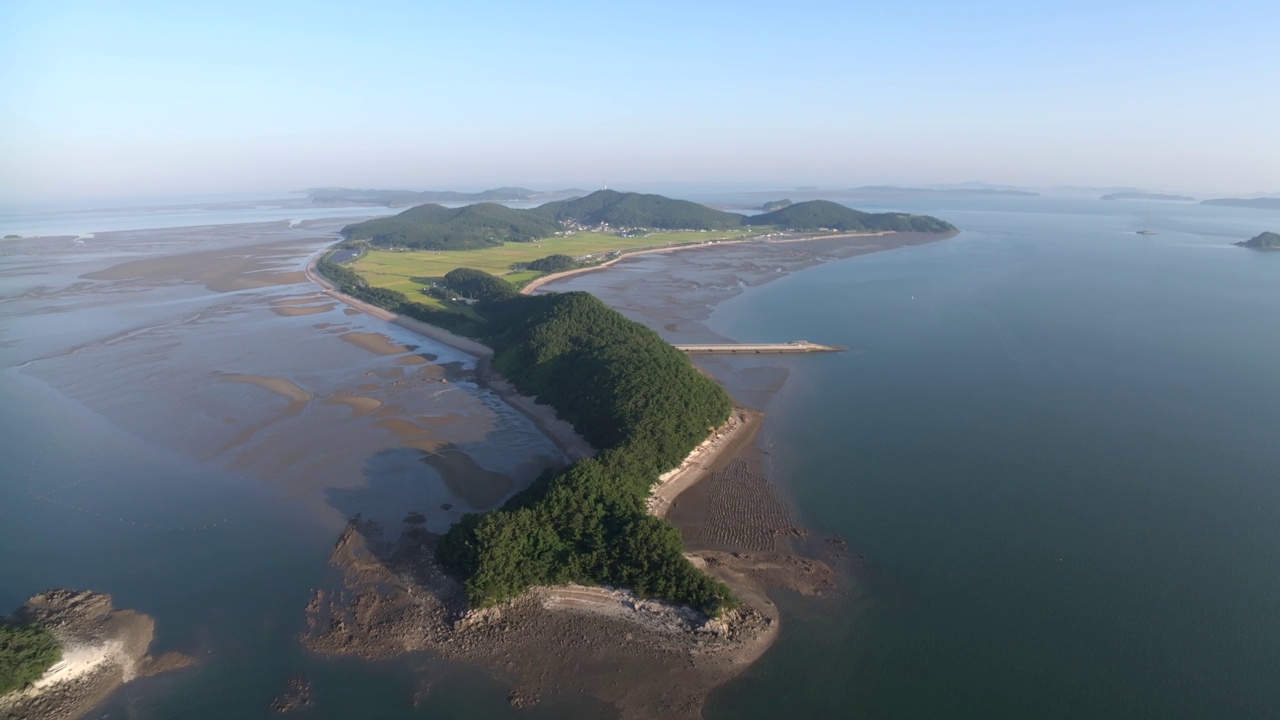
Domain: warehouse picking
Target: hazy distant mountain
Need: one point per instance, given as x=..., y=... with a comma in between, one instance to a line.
x=1265, y=241
x=827, y=215
x=1147, y=196
x=894, y=190
x=436, y=227
x=1261, y=203
x=774, y=205
x=338, y=195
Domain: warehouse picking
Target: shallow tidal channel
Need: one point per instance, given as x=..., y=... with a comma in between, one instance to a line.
x=187, y=425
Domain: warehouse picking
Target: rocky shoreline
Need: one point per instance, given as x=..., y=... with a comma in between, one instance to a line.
x=647, y=659
x=102, y=648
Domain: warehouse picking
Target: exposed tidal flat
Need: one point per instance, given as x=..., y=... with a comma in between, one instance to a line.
x=178, y=434
x=1028, y=391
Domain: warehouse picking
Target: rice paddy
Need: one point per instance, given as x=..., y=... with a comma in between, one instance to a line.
x=409, y=270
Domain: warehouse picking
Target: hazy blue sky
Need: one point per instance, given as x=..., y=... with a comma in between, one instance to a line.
x=116, y=98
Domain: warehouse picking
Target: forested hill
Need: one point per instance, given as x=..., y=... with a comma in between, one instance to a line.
x=638, y=210
x=627, y=391
x=432, y=227
x=440, y=228
x=824, y=214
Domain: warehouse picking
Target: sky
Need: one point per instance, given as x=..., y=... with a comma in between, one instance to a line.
x=118, y=99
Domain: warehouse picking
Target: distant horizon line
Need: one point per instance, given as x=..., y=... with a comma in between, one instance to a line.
x=91, y=203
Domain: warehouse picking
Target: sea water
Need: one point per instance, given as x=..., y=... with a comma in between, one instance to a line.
x=1052, y=442
x=1055, y=443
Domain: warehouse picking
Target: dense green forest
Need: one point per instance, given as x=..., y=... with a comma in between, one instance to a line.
x=435, y=227
x=820, y=214
x=26, y=651
x=432, y=227
x=637, y=399
x=479, y=285
x=637, y=210
x=775, y=205
x=623, y=388
x=553, y=263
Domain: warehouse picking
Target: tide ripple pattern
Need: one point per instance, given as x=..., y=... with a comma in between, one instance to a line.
x=745, y=513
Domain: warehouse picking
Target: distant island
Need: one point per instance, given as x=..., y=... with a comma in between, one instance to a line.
x=894, y=190
x=487, y=224
x=1265, y=241
x=391, y=198
x=774, y=205
x=1148, y=196
x=1257, y=203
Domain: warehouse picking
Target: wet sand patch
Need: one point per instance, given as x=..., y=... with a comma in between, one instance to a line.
x=360, y=406
x=745, y=513
x=439, y=421
x=299, y=310
x=310, y=299
x=278, y=385
x=224, y=270
x=478, y=487
x=376, y=343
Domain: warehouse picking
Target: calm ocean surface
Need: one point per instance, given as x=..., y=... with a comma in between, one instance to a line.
x=1055, y=443
x=1058, y=447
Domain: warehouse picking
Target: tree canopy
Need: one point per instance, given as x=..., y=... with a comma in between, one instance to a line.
x=637, y=210
x=640, y=401
x=479, y=285
x=824, y=214
x=552, y=263
x=26, y=652
x=435, y=227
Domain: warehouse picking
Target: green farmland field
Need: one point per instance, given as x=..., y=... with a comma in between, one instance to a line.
x=408, y=270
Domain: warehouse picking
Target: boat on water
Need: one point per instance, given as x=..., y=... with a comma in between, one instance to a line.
x=1146, y=232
